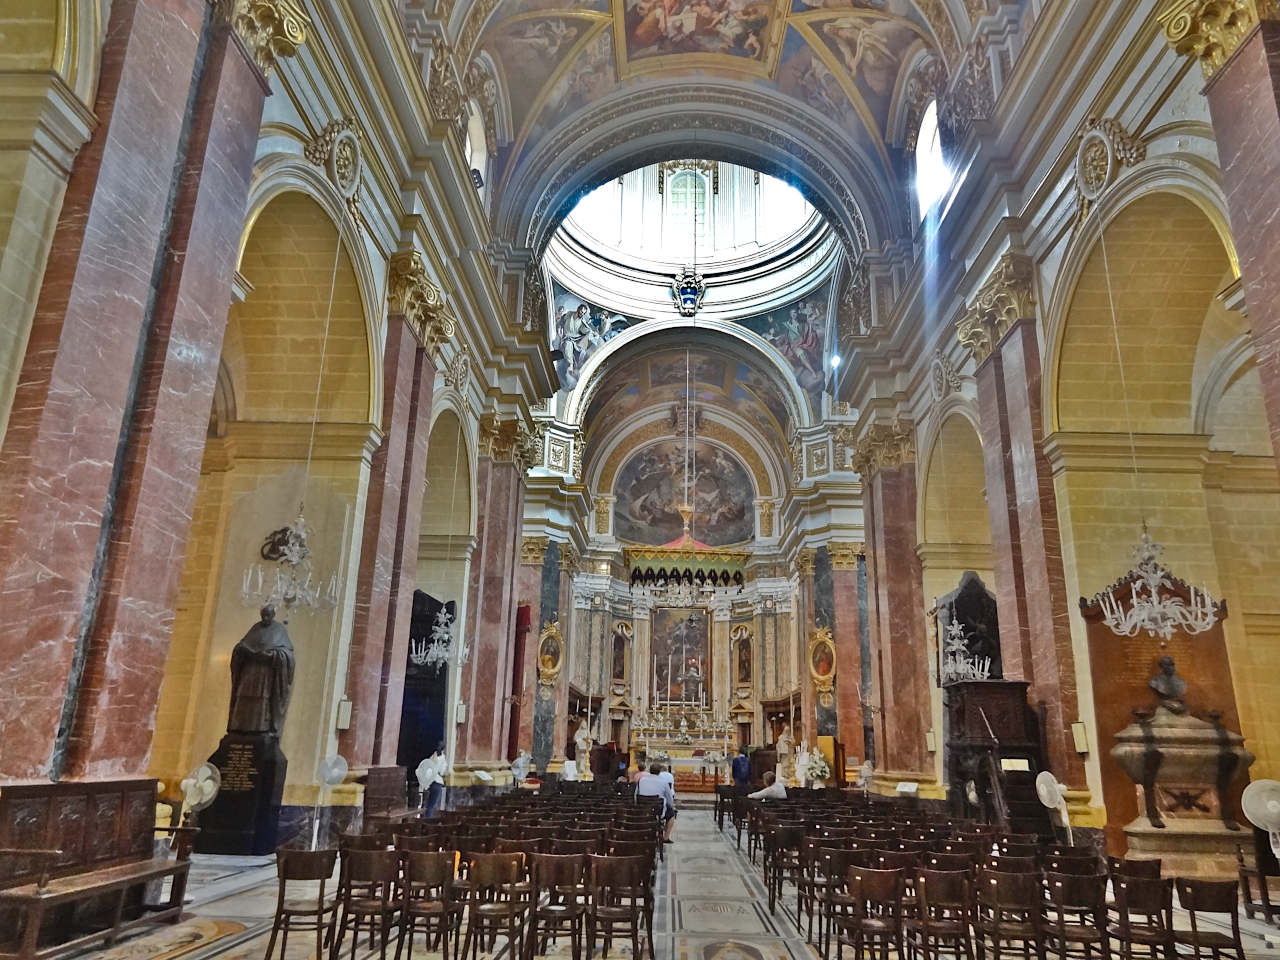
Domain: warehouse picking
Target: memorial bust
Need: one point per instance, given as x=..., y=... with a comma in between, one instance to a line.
x=1169, y=687
x=262, y=667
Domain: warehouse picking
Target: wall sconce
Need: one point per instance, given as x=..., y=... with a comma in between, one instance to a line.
x=1080, y=734
x=930, y=741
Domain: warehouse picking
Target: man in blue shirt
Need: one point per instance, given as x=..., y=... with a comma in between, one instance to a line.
x=741, y=768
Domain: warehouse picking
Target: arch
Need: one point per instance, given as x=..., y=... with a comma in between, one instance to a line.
x=280, y=173
x=450, y=490
x=63, y=36
x=1188, y=178
x=1166, y=263
x=710, y=120
x=291, y=259
x=952, y=503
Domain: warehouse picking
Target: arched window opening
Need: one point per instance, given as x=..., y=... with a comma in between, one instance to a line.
x=933, y=176
x=687, y=209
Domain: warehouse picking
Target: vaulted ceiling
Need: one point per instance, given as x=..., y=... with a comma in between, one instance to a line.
x=820, y=92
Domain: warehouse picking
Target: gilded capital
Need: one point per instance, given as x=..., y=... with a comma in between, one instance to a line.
x=269, y=29
x=1004, y=298
x=884, y=445
x=1210, y=30
x=411, y=293
x=844, y=556
x=533, y=550
x=804, y=562
x=568, y=559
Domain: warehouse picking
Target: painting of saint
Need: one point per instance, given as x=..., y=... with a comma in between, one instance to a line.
x=681, y=647
x=549, y=653
x=744, y=662
x=823, y=662
x=735, y=28
x=651, y=487
x=578, y=330
x=621, y=634
x=797, y=332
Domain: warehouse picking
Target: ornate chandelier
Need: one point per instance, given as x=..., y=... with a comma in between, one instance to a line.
x=1152, y=605
x=957, y=662
x=435, y=651
x=284, y=578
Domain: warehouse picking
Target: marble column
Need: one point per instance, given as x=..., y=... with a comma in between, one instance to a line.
x=492, y=601
x=805, y=622
x=568, y=564
x=847, y=635
x=533, y=558
x=389, y=546
x=885, y=458
x=1031, y=597
x=107, y=430
x=1240, y=57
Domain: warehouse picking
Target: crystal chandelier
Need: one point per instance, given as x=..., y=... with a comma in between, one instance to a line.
x=1153, y=606
x=435, y=651
x=283, y=576
x=957, y=662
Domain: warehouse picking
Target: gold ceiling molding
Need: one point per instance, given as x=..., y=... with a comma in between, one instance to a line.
x=1210, y=30
x=853, y=311
x=660, y=430
x=270, y=29
x=709, y=558
x=339, y=149
x=885, y=445
x=804, y=562
x=533, y=311
x=1004, y=298
x=444, y=93
x=926, y=83
x=971, y=98
x=477, y=15
x=535, y=440
x=569, y=561
x=411, y=294
x=481, y=85
x=604, y=511
x=765, y=511
x=844, y=556
x=533, y=550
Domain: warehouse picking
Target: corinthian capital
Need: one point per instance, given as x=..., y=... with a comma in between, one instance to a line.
x=270, y=29
x=1210, y=30
x=1003, y=299
x=411, y=293
x=884, y=445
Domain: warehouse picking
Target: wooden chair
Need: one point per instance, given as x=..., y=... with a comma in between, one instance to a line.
x=1009, y=911
x=877, y=912
x=617, y=899
x=1010, y=864
x=1073, y=866
x=428, y=900
x=1248, y=876
x=1077, y=915
x=1146, y=869
x=493, y=902
x=1213, y=897
x=581, y=847
x=557, y=901
x=303, y=866
x=944, y=913
x=366, y=891
x=1145, y=910
x=782, y=859
x=947, y=862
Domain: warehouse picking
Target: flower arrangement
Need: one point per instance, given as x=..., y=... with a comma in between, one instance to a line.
x=818, y=768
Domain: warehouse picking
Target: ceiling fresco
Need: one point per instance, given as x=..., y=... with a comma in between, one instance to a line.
x=715, y=380
x=798, y=331
x=842, y=59
x=579, y=329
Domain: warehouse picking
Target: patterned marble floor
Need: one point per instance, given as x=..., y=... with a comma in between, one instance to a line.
x=711, y=905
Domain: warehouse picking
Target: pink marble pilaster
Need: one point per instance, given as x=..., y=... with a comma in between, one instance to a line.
x=61, y=445
x=529, y=591
x=384, y=594
x=848, y=643
x=898, y=621
x=1244, y=101
x=808, y=702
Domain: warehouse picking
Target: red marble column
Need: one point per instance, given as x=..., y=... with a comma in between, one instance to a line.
x=78, y=379
x=129, y=643
x=848, y=641
x=533, y=552
x=1026, y=546
x=897, y=626
x=805, y=620
x=1244, y=101
x=389, y=552
x=492, y=608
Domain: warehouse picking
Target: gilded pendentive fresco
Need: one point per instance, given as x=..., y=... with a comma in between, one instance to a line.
x=650, y=488
x=796, y=331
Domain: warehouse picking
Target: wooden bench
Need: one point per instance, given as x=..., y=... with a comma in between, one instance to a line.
x=75, y=860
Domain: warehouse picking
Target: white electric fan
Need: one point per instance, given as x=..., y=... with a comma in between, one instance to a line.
x=1054, y=796
x=332, y=772
x=1261, y=805
x=199, y=789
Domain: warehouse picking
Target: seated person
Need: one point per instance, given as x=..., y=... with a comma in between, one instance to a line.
x=651, y=784
x=773, y=790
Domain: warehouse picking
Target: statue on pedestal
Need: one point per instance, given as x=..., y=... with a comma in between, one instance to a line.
x=786, y=747
x=1169, y=687
x=262, y=667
